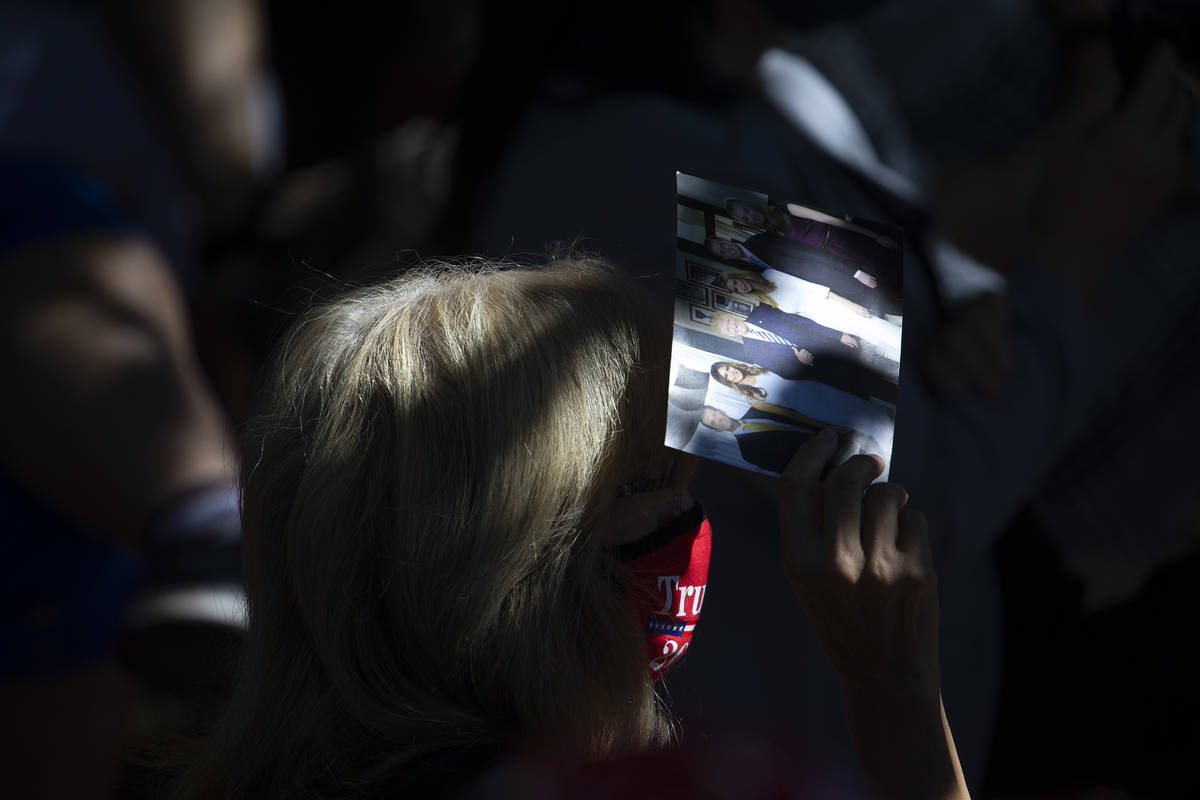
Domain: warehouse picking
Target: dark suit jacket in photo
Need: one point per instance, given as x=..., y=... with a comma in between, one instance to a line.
x=800, y=331
x=833, y=362
x=840, y=371
x=816, y=265
x=772, y=450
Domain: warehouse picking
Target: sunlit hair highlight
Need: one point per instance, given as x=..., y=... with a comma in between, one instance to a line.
x=421, y=491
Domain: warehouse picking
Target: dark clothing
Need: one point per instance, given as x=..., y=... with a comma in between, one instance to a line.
x=818, y=265
x=448, y=773
x=800, y=331
x=857, y=248
x=772, y=450
x=833, y=362
x=840, y=371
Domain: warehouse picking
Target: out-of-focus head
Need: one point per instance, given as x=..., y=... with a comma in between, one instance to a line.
x=728, y=324
x=745, y=212
x=717, y=419
x=421, y=502
x=723, y=248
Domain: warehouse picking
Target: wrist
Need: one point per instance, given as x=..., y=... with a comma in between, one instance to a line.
x=906, y=689
x=904, y=742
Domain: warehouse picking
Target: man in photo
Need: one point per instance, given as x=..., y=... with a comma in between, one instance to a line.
x=812, y=264
x=769, y=440
x=797, y=348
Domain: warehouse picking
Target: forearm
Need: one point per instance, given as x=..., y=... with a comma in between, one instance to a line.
x=833, y=335
x=850, y=304
x=904, y=743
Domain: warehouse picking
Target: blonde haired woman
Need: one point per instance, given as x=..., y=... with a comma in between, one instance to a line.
x=430, y=499
x=748, y=284
x=455, y=531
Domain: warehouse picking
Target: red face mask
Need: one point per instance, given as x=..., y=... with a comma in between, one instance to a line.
x=670, y=567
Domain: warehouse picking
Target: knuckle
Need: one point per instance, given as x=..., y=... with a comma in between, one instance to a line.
x=853, y=474
x=847, y=567
x=881, y=572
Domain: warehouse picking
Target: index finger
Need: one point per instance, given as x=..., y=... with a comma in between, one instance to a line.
x=844, y=505
x=798, y=485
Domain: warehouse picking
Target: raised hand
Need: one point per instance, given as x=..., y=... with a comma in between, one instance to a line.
x=859, y=562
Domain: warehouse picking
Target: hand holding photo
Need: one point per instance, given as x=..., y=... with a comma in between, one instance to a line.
x=803, y=333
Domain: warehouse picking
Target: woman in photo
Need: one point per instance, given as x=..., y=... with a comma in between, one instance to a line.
x=818, y=303
x=814, y=401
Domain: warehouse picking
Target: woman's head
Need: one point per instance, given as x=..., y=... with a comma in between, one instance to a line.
x=734, y=374
x=422, y=503
x=748, y=284
x=737, y=283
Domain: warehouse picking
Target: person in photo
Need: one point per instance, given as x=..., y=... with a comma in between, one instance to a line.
x=876, y=255
x=768, y=440
x=796, y=348
x=818, y=303
x=769, y=251
x=815, y=400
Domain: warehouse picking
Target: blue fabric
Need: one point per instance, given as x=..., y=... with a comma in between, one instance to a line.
x=43, y=199
x=62, y=592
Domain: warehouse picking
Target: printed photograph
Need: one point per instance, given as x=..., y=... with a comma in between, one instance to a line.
x=802, y=330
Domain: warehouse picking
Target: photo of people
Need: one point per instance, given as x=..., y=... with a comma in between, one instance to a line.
x=803, y=332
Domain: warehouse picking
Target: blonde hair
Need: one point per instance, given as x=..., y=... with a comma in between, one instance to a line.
x=419, y=502
x=754, y=278
x=752, y=392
